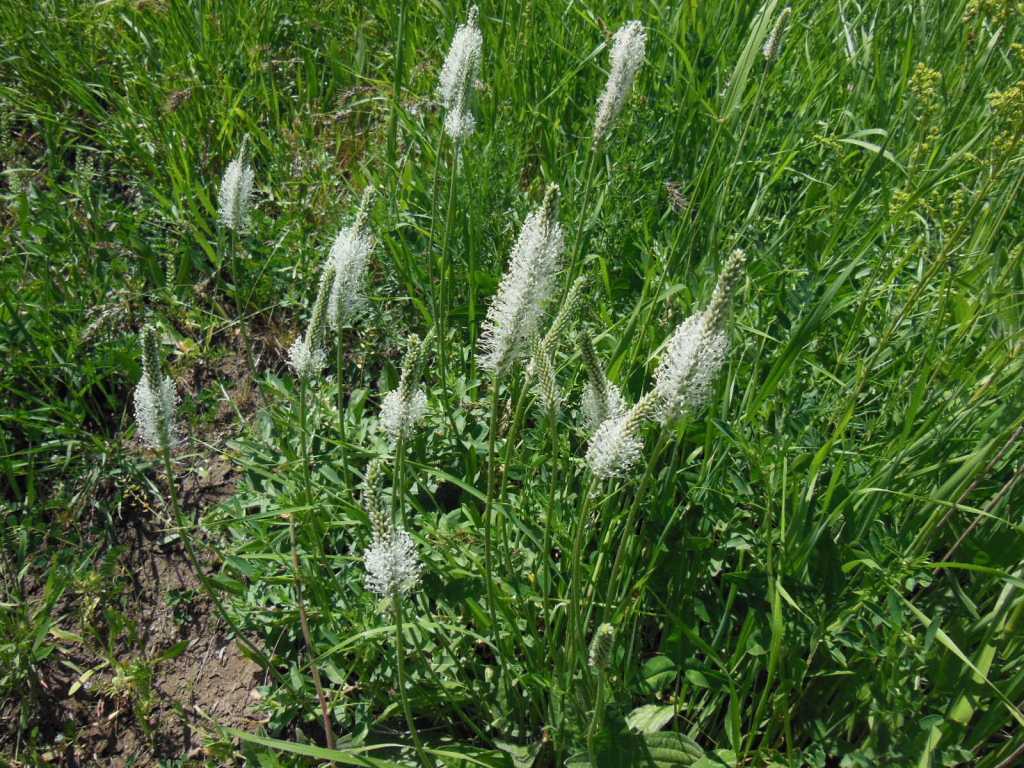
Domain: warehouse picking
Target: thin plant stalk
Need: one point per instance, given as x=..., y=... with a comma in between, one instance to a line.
x=240, y=306
x=442, y=310
x=397, y=90
x=297, y=569
x=598, y=710
x=488, y=533
x=577, y=246
x=425, y=758
x=340, y=381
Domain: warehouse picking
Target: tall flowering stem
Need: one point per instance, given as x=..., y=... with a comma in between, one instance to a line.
x=397, y=82
x=307, y=358
x=393, y=570
x=235, y=204
x=154, y=411
x=626, y=58
x=350, y=257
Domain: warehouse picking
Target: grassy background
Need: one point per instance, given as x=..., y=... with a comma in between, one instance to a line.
x=790, y=605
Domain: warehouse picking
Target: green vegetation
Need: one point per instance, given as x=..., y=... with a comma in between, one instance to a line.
x=822, y=565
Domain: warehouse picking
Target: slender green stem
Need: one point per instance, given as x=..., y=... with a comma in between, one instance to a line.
x=442, y=310
x=488, y=554
x=595, y=718
x=584, y=215
x=297, y=569
x=549, y=524
x=397, y=83
x=573, y=639
x=425, y=758
x=339, y=376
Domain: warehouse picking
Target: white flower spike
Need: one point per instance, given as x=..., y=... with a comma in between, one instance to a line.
x=155, y=397
x=402, y=409
x=514, y=315
x=628, y=51
x=458, y=77
x=236, y=192
x=391, y=561
x=350, y=255
x=697, y=349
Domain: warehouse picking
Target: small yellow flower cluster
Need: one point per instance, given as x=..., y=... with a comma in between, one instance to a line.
x=993, y=11
x=1008, y=112
x=924, y=84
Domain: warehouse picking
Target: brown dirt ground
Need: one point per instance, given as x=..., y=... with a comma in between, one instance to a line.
x=211, y=681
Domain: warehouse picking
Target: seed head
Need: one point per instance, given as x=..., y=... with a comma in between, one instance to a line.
x=458, y=75
x=773, y=43
x=627, y=55
x=616, y=445
x=306, y=355
x=350, y=255
x=515, y=313
x=697, y=349
x=155, y=396
x=404, y=408
x=392, y=564
x=236, y=191
x=601, y=646
x=601, y=400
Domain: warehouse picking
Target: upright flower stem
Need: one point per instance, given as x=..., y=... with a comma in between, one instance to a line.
x=424, y=756
x=577, y=246
x=549, y=524
x=340, y=381
x=573, y=629
x=397, y=83
x=442, y=309
x=297, y=569
x=240, y=306
x=488, y=555
x=598, y=711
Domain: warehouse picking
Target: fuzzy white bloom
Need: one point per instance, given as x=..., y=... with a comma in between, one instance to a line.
x=392, y=564
x=692, y=359
x=307, y=356
x=773, y=43
x=598, y=407
x=236, y=193
x=628, y=47
x=350, y=255
x=399, y=416
x=306, y=360
x=615, y=448
x=458, y=75
x=515, y=313
x=154, y=411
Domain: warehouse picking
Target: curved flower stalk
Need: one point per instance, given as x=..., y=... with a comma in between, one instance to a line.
x=236, y=192
x=773, y=43
x=518, y=306
x=155, y=397
x=350, y=255
x=458, y=76
x=601, y=398
x=306, y=356
x=403, y=408
x=627, y=54
x=697, y=349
